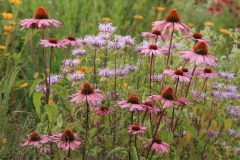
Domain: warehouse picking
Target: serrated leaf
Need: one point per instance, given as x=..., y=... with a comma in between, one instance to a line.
x=118, y=149
x=37, y=102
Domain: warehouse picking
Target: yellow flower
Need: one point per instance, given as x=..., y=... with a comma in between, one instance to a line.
x=4, y=140
x=224, y=31
x=15, y=1
x=2, y=47
x=125, y=85
x=190, y=24
x=84, y=69
x=211, y=24
x=7, y=15
x=160, y=9
x=23, y=38
x=8, y=28
x=5, y=33
x=7, y=54
x=194, y=6
x=138, y=17
x=51, y=101
x=78, y=71
x=12, y=23
x=91, y=25
x=106, y=19
x=23, y=85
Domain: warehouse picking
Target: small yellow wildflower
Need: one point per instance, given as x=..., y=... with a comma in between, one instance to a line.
x=7, y=54
x=211, y=24
x=51, y=101
x=12, y=23
x=15, y=1
x=106, y=19
x=125, y=85
x=7, y=15
x=23, y=85
x=2, y=47
x=8, y=28
x=190, y=24
x=23, y=38
x=160, y=9
x=91, y=25
x=5, y=33
x=4, y=140
x=194, y=6
x=224, y=31
x=84, y=69
x=138, y=17
x=78, y=71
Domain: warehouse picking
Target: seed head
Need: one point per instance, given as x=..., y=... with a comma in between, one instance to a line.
x=207, y=70
x=53, y=40
x=135, y=127
x=148, y=104
x=156, y=32
x=103, y=108
x=179, y=72
x=201, y=48
x=197, y=35
x=134, y=99
x=168, y=93
x=153, y=46
x=35, y=136
x=87, y=89
x=67, y=136
x=173, y=16
x=71, y=38
x=41, y=13
x=157, y=140
x=184, y=69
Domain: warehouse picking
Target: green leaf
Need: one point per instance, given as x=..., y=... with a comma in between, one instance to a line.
x=35, y=76
x=33, y=87
x=118, y=149
x=52, y=112
x=227, y=123
x=37, y=102
x=185, y=114
x=58, y=87
x=167, y=136
x=93, y=151
x=191, y=130
x=92, y=132
x=133, y=151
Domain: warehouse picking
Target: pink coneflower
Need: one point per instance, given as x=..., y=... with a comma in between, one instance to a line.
x=177, y=74
x=133, y=103
x=151, y=108
x=35, y=139
x=200, y=55
x=207, y=72
x=168, y=98
x=198, y=37
x=87, y=94
x=103, y=111
x=136, y=129
x=172, y=21
x=67, y=140
x=155, y=34
x=40, y=20
x=52, y=42
x=70, y=40
x=158, y=145
x=153, y=49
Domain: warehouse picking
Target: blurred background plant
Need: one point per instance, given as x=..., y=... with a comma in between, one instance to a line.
x=17, y=112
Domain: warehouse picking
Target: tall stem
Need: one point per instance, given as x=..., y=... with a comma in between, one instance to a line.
x=150, y=77
x=69, y=46
x=33, y=56
x=36, y=150
x=94, y=66
x=105, y=57
x=115, y=76
x=135, y=142
x=86, y=130
x=190, y=80
x=69, y=154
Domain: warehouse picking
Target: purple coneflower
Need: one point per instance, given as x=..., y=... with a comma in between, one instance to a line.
x=136, y=129
x=155, y=34
x=141, y=46
x=178, y=74
x=67, y=140
x=158, y=145
x=172, y=21
x=35, y=139
x=168, y=98
x=153, y=49
x=207, y=72
x=151, y=108
x=71, y=40
x=40, y=20
x=200, y=55
x=103, y=111
x=133, y=103
x=198, y=37
x=87, y=94
x=52, y=42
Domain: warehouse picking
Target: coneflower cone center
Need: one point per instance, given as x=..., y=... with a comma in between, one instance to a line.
x=157, y=140
x=134, y=99
x=197, y=35
x=153, y=46
x=207, y=70
x=156, y=32
x=179, y=72
x=173, y=16
x=184, y=69
x=148, y=104
x=71, y=38
x=35, y=136
x=201, y=48
x=67, y=136
x=135, y=127
x=168, y=93
x=53, y=40
x=87, y=89
x=41, y=13
x=103, y=108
